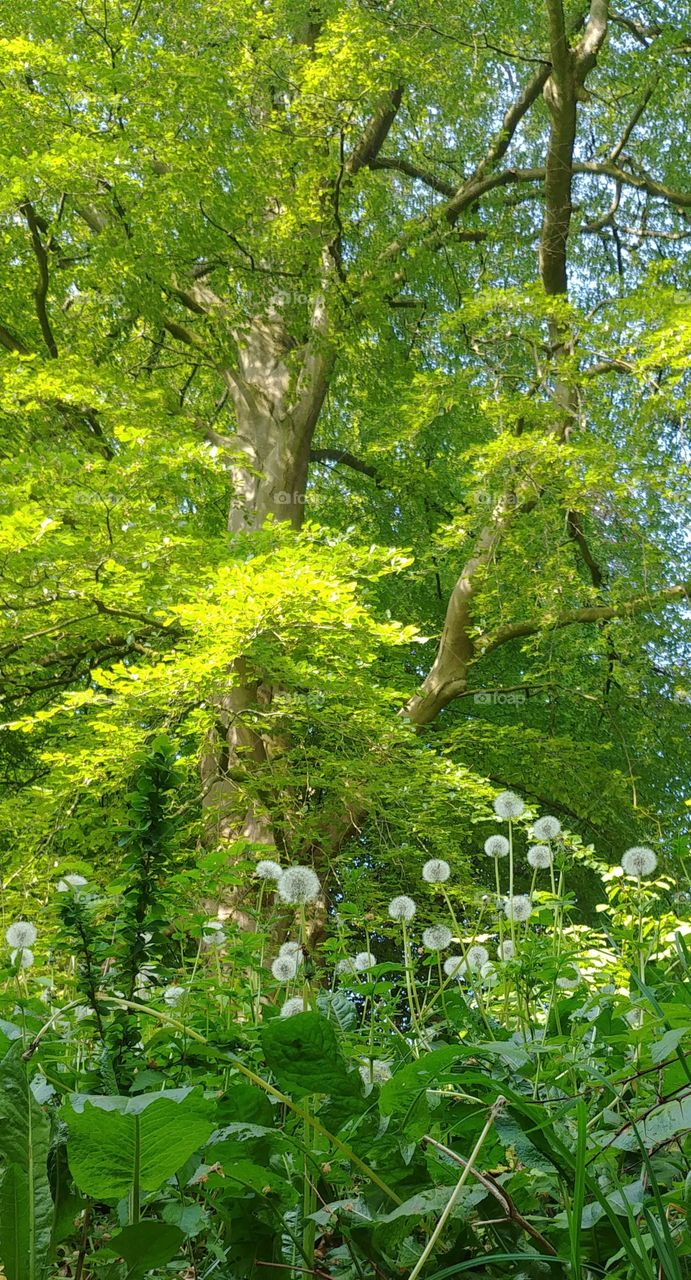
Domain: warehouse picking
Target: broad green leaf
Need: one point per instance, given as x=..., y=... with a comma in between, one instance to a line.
x=113, y=1140
x=145, y=1245
x=304, y=1055
x=26, y=1205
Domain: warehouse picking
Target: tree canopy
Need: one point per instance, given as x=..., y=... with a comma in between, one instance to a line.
x=343, y=400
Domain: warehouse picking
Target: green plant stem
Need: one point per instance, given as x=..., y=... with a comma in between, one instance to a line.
x=455, y=1194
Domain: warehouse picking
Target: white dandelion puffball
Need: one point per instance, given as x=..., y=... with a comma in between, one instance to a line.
x=540, y=857
x=519, y=908
x=173, y=995
x=71, y=882
x=477, y=956
x=508, y=805
x=82, y=1011
x=25, y=958
x=402, y=908
x=213, y=934
x=437, y=937
x=506, y=950
x=364, y=960
x=489, y=974
x=571, y=979
x=496, y=847
x=454, y=967
x=284, y=968
x=376, y=1072
x=547, y=828
x=298, y=886
x=345, y=967
x=293, y=950
x=268, y=870
x=639, y=861
x=21, y=935
x=295, y=1005
x=436, y=871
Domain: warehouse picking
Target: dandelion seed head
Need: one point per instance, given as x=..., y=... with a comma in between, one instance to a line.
x=519, y=908
x=345, y=967
x=639, y=861
x=82, y=1011
x=540, y=857
x=547, y=828
x=376, y=1072
x=293, y=950
x=172, y=995
x=508, y=805
x=68, y=883
x=268, y=870
x=496, y=847
x=25, y=956
x=489, y=974
x=295, y=1005
x=506, y=950
x=402, y=908
x=476, y=956
x=299, y=886
x=284, y=968
x=437, y=937
x=364, y=960
x=454, y=967
x=213, y=934
x=436, y=871
x=21, y=935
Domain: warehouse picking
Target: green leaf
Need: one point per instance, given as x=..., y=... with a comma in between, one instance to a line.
x=304, y=1055
x=26, y=1205
x=113, y=1141
x=145, y=1245
x=663, y=1048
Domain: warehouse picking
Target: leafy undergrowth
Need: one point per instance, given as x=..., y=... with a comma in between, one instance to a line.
x=456, y=1089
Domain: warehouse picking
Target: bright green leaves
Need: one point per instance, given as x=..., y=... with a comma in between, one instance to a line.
x=304, y=1055
x=26, y=1206
x=145, y=1245
x=117, y=1144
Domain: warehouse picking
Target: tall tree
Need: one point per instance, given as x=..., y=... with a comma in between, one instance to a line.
x=416, y=270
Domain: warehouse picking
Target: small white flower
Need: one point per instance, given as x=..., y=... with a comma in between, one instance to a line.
x=547, y=828
x=437, y=937
x=295, y=1005
x=571, y=979
x=506, y=950
x=21, y=934
x=268, y=870
x=345, y=967
x=298, y=886
x=496, y=847
x=364, y=960
x=284, y=968
x=25, y=957
x=477, y=956
x=173, y=995
x=293, y=950
x=519, y=908
x=376, y=1072
x=71, y=882
x=540, y=856
x=454, y=967
x=402, y=908
x=508, y=805
x=639, y=861
x=436, y=871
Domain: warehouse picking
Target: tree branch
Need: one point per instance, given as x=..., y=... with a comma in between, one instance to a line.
x=345, y=459
x=41, y=290
x=593, y=613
